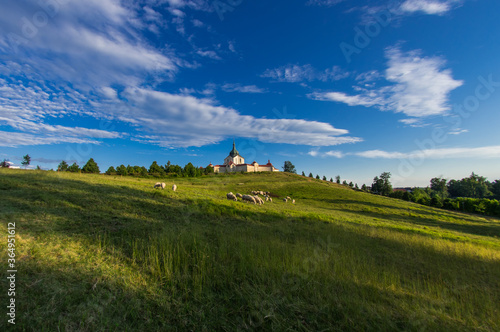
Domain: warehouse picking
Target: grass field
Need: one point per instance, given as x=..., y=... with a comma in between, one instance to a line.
x=97, y=253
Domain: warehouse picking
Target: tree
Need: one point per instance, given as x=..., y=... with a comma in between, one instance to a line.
x=356, y=186
x=156, y=169
x=111, y=171
x=303, y=174
x=344, y=183
x=130, y=170
x=26, y=161
x=63, y=166
x=76, y=169
x=121, y=170
x=337, y=179
x=324, y=178
x=438, y=186
x=331, y=179
x=474, y=186
x=189, y=170
x=38, y=168
x=382, y=185
x=91, y=167
x=311, y=175
x=351, y=184
x=317, y=176
x=289, y=167
x=495, y=188
x=5, y=163
x=209, y=170
x=364, y=188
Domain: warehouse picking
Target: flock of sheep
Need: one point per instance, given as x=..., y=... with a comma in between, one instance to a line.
x=253, y=198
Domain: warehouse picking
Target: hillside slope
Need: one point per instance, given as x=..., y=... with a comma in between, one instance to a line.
x=95, y=252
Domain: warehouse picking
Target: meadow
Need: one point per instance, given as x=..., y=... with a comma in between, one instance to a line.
x=110, y=253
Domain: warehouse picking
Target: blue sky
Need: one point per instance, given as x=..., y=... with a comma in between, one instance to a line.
x=338, y=87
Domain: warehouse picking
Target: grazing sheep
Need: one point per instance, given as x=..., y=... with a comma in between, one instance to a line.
x=270, y=199
x=285, y=200
x=261, y=193
x=174, y=187
x=258, y=200
x=293, y=201
x=288, y=198
x=267, y=198
x=231, y=196
x=160, y=185
x=239, y=195
x=249, y=199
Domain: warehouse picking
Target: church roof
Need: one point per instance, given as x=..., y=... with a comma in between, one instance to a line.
x=234, y=152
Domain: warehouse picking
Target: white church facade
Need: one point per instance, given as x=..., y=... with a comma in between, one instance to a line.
x=234, y=162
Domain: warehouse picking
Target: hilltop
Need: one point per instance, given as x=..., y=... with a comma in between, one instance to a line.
x=97, y=252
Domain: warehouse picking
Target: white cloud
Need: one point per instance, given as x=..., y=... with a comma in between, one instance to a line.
x=458, y=131
x=323, y=2
x=420, y=86
x=296, y=73
x=431, y=7
x=181, y=121
x=444, y=153
x=14, y=139
x=332, y=153
x=236, y=87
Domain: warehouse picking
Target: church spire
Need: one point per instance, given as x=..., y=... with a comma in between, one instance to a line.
x=234, y=152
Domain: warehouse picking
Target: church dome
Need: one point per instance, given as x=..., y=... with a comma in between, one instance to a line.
x=234, y=152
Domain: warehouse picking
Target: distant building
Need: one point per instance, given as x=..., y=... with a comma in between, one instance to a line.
x=234, y=162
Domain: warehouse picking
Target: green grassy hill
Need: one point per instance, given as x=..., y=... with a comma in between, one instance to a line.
x=97, y=252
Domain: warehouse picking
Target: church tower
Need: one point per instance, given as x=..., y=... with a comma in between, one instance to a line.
x=234, y=157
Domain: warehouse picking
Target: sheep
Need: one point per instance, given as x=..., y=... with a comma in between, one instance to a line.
x=261, y=193
x=285, y=200
x=160, y=185
x=239, y=195
x=258, y=200
x=249, y=198
x=267, y=198
x=270, y=199
x=288, y=198
x=293, y=201
x=231, y=196
x=174, y=187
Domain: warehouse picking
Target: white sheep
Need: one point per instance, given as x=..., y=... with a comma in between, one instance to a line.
x=293, y=201
x=239, y=195
x=270, y=199
x=174, y=187
x=249, y=198
x=288, y=198
x=258, y=200
x=231, y=196
x=160, y=185
x=285, y=200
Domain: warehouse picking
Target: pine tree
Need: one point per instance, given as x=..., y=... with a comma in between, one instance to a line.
x=91, y=167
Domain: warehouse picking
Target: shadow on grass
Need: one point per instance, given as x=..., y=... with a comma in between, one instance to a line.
x=74, y=208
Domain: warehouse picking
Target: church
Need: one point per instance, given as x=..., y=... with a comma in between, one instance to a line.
x=236, y=163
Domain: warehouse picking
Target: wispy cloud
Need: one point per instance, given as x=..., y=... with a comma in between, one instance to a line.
x=182, y=121
x=444, y=153
x=304, y=73
x=236, y=87
x=323, y=2
x=431, y=7
x=420, y=86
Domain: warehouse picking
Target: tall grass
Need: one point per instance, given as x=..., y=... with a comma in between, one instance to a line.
x=111, y=253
